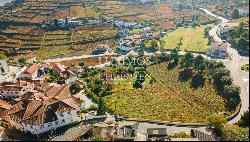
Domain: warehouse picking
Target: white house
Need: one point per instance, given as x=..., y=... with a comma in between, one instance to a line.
x=146, y=30
x=217, y=50
x=65, y=72
x=244, y=12
x=7, y=92
x=4, y=66
x=102, y=48
x=30, y=73
x=37, y=118
x=55, y=109
x=225, y=27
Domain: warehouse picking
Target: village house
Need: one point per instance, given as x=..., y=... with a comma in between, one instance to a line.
x=146, y=30
x=4, y=107
x=225, y=27
x=101, y=49
x=129, y=43
x=46, y=111
x=33, y=72
x=218, y=50
x=243, y=12
x=71, y=21
x=12, y=91
x=65, y=72
x=121, y=25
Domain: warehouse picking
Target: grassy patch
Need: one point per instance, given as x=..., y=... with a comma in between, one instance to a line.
x=245, y=67
x=192, y=39
x=244, y=19
x=52, y=52
x=168, y=99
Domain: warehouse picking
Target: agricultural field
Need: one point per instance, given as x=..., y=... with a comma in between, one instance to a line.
x=78, y=12
x=168, y=99
x=128, y=11
x=61, y=42
x=189, y=39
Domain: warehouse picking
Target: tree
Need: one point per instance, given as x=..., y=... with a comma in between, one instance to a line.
x=175, y=56
x=225, y=80
x=75, y=88
x=2, y=57
x=97, y=138
x=56, y=23
x=137, y=84
x=142, y=48
x=216, y=122
x=235, y=14
x=21, y=61
x=81, y=63
x=232, y=95
x=187, y=61
x=235, y=133
x=244, y=120
x=154, y=44
x=53, y=77
x=199, y=64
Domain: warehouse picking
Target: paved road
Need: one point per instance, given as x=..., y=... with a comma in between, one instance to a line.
x=76, y=58
x=171, y=130
x=72, y=134
x=234, y=65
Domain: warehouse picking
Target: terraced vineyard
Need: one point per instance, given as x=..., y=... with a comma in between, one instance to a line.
x=168, y=99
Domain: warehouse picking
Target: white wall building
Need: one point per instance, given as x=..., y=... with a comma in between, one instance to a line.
x=218, y=50
x=12, y=91
x=225, y=27
x=4, y=68
x=54, y=108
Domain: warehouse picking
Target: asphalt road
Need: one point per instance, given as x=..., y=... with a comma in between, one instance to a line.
x=234, y=65
x=72, y=134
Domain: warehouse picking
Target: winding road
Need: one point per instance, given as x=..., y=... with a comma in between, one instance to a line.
x=234, y=65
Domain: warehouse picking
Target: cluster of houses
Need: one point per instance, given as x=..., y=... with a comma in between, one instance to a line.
x=131, y=42
x=218, y=49
x=31, y=105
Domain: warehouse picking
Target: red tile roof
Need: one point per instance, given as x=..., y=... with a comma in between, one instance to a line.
x=32, y=69
x=10, y=88
x=57, y=67
x=31, y=108
x=16, y=108
x=4, y=104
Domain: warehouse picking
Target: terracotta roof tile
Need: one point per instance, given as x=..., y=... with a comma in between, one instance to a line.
x=4, y=104
x=32, y=69
x=57, y=67
x=63, y=93
x=32, y=108
x=16, y=108
x=72, y=102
